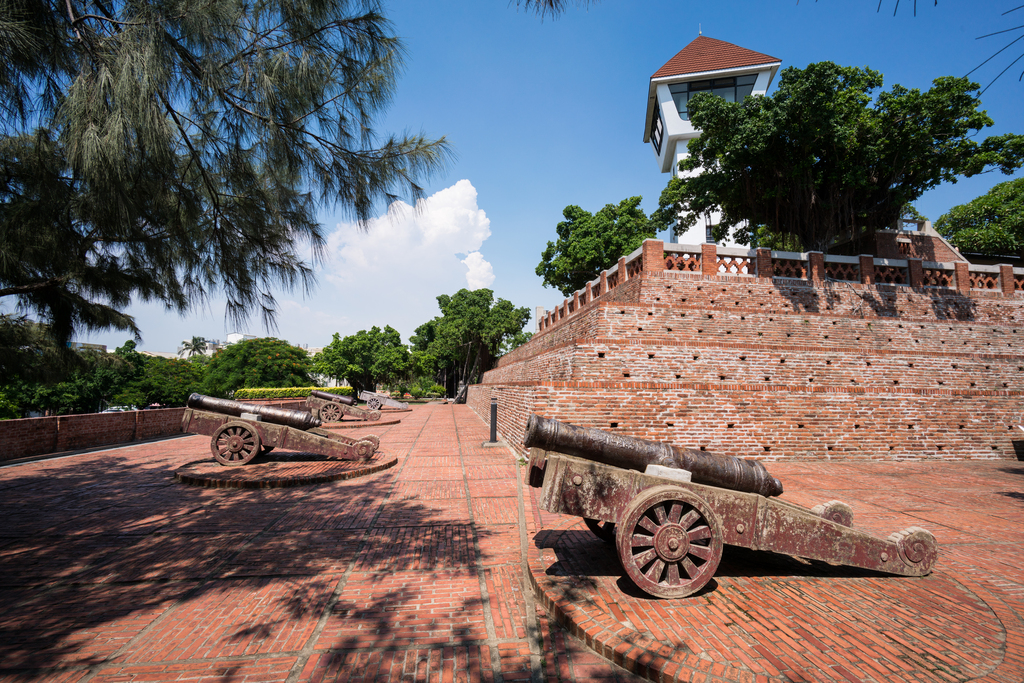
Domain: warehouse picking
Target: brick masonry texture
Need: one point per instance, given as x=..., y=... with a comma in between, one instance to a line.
x=110, y=571
x=778, y=368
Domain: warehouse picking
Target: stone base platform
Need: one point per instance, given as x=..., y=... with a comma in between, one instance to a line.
x=282, y=471
x=353, y=424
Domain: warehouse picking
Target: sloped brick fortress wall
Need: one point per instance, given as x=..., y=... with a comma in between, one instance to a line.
x=811, y=367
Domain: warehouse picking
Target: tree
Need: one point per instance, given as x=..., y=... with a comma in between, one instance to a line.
x=164, y=149
x=263, y=362
x=195, y=347
x=472, y=331
x=365, y=359
x=818, y=159
x=589, y=243
x=165, y=381
x=990, y=224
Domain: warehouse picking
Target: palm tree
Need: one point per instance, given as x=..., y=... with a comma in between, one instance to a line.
x=194, y=347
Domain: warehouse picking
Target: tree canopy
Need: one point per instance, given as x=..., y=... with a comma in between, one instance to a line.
x=263, y=362
x=469, y=335
x=819, y=158
x=991, y=224
x=589, y=243
x=163, y=150
x=365, y=359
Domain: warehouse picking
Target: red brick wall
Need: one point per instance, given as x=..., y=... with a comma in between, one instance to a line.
x=779, y=369
x=31, y=436
x=42, y=435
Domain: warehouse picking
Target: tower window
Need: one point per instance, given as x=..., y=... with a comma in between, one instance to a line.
x=730, y=89
x=657, y=130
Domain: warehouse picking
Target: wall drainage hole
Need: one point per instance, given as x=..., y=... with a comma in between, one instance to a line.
x=625, y=374
x=650, y=355
x=830, y=448
x=767, y=449
x=600, y=355
x=704, y=448
x=613, y=424
x=670, y=424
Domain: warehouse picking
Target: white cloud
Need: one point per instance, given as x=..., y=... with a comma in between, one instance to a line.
x=481, y=273
x=392, y=273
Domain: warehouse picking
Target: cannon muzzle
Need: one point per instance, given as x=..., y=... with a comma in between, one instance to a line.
x=636, y=454
x=282, y=416
x=337, y=398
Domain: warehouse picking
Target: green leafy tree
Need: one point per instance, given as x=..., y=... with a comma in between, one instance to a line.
x=991, y=224
x=165, y=150
x=365, y=359
x=263, y=362
x=818, y=158
x=472, y=331
x=197, y=346
x=589, y=243
x=165, y=381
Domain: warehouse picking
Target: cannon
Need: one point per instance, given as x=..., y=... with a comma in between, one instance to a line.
x=330, y=407
x=241, y=431
x=377, y=401
x=669, y=524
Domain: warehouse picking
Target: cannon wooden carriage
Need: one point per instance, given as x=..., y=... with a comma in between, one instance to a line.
x=241, y=431
x=378, y=401
x=330, y=407
x=669, y=524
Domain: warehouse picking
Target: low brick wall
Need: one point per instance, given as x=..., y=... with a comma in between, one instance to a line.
x=42, y=435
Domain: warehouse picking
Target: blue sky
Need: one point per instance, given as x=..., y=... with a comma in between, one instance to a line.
x=543, y=114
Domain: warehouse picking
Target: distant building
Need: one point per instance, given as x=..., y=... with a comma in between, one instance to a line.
x=82, y=346
x=705, y=65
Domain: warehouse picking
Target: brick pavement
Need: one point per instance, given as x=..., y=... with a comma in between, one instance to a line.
x=111, y=571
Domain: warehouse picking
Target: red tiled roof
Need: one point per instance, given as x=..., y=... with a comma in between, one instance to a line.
x=708, y=54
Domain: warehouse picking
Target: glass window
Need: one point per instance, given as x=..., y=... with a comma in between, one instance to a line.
x=657, y=130
x=729, y=89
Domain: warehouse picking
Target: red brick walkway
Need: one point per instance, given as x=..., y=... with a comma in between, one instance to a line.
x=109, y=570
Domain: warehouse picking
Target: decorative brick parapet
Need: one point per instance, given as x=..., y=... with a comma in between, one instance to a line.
x=764, y=262
x=1006, y=279
x=816, y=266
x=915, y=270
x=867, y=269
x=709, y=259
x=653, y=256
x=623, y=275
x=963, y=276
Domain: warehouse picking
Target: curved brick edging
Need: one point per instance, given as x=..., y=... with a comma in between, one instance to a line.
x=966, y=630
x=352, y=424
x=210, y=474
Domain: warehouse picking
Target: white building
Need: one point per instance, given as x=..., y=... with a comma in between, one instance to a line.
x=705, y=65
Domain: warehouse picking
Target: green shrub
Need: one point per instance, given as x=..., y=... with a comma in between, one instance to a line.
x=250, y=393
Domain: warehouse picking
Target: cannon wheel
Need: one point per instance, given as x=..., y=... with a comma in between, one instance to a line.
x=235, y=443
x=374, y=403
x=603, y=530
x=373, y=415
x=669, y=541
x=330, y=412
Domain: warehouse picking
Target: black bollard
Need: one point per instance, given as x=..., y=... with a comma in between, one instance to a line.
x=494, y=420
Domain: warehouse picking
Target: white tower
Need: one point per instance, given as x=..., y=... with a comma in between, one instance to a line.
x=705, y=65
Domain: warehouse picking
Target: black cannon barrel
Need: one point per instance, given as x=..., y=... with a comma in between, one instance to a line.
x=337, y=398
x=636, y=454
x=282, y=416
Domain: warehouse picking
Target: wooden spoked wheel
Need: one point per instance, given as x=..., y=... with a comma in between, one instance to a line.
x=330, y=412
x=235, y=443
x=603, y=530
x=669, y=541
x=374, y=403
